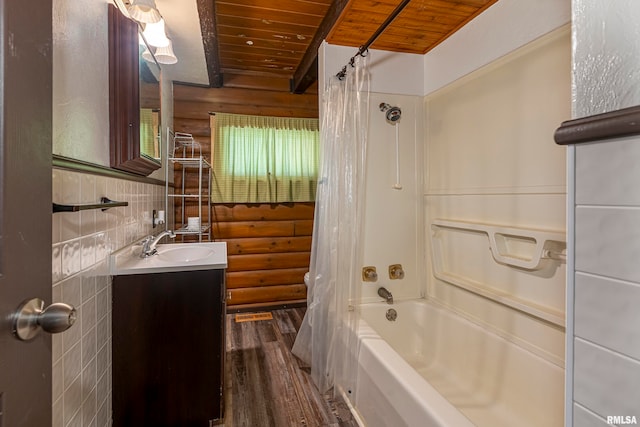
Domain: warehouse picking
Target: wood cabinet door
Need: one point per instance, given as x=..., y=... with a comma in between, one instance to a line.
x=168, y=348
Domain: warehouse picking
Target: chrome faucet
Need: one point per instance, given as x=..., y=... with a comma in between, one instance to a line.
x=150, y=242
x=384, y=293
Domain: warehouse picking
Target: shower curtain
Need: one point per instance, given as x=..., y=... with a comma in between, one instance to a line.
x=326, y=340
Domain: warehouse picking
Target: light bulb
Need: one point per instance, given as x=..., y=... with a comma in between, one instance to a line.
x=165, y=55
x=154, y=34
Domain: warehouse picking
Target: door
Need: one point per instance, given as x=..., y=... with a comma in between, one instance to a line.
x=25, y=205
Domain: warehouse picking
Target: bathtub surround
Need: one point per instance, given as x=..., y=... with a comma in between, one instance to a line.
x=603, y=294
x=501, y=170
x=392, y=215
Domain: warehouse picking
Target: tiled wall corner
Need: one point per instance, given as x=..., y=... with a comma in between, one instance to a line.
x=82, y=242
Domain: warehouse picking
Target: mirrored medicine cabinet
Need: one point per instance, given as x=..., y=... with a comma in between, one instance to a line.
x=134, y=98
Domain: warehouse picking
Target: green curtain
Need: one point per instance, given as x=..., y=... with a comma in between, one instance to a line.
x=260, y=159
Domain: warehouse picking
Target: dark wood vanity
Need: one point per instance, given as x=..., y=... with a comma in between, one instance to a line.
x=168, y=348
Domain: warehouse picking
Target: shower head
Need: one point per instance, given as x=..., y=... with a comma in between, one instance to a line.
x=392, y=113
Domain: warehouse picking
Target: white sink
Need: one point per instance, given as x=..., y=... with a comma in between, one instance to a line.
x=184, y=253
x=170, y=257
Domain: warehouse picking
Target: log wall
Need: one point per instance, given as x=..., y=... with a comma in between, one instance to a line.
x=268, y=248
x=268, y=245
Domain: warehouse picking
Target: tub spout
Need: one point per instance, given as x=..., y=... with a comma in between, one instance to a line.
x=384, y=293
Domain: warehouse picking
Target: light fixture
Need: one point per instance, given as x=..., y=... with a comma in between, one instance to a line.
x=165, y=55
x=147, y=56
x=144, y=11
x=154, y=34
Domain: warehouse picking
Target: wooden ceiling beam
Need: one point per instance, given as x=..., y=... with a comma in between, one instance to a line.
x=207, y=13
x=242, y=96
x=307, y=72
x=256, y=82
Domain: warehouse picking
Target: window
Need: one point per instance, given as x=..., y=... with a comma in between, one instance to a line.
x=259, y=159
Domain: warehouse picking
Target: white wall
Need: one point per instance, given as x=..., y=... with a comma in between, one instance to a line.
x=396, y=73
x=606, y=56
x=81, y=83
x=504, y=27
x=604, y=289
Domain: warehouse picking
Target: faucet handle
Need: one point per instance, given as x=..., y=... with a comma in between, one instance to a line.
x=146, y=245
x=369, y=274
x=396, y=272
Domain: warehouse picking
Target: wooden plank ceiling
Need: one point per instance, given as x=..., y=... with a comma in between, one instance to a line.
x=277, y=41
x=265, y=35
x=422, y=24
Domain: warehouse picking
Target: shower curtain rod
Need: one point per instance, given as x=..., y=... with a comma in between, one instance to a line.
x=373, y=37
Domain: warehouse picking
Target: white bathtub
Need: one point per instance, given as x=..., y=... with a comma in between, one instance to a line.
x=432, y=367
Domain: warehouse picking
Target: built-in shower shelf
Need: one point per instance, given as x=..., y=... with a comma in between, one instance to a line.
x=534, y=252
x=514, y=246
x=538, y=311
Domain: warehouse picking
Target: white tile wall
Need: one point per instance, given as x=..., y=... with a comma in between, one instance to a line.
x=584, y=418
x=82, y=242
x=605, y=382
x=616, y=250
x=606, y=343
x=606, y=312
x=622, y=162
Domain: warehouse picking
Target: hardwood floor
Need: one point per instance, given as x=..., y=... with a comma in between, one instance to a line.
x=266, y=386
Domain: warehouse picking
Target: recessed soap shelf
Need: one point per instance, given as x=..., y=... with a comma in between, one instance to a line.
x=514, y=246
x=522, y=248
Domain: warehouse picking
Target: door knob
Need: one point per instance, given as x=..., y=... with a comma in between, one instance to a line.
x=32, y=316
